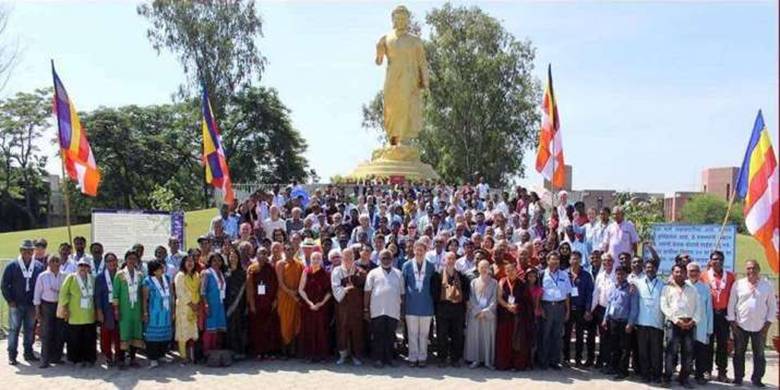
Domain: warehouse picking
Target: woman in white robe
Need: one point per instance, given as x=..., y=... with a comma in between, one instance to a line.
x=481, y=319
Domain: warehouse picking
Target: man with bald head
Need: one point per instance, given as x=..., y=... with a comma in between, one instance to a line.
x=621, y=235
x=382, y=301
x=348, y=281
x=752, y=309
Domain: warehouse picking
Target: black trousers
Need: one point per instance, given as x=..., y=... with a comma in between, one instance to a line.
x=52, y=333
x=620, y=345
x=156, y=349
x=700, y=360
x=450, y=318
x=719, y=342
x=82, y=346
x=757, y=341
x=598, y=318
x=651, y=351
x=678, y=341
x=552, y=332
x=383, y=337
x=581, y=326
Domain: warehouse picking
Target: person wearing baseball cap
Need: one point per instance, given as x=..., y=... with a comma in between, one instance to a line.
x=17, y=287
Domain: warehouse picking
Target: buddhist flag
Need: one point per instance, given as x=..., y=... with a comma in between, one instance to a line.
x=77, y=157
x=549, y=158
x=758, y=186
x=217, y=172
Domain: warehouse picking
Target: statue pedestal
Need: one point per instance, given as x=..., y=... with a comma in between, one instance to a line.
x=394, y=161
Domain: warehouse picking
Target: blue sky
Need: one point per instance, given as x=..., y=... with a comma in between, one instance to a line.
x=649, y=93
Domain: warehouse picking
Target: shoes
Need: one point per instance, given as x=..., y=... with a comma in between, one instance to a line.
x=392, y=364
x=341, y=361
x=44, y=365
x=758, y=384
x=722, y=378
x=737, y=382
x=566, y=364
x=153, y=364
x=412, y=364
x=555, y=367
x=30, y=357
x=489, y=367
x=588, y=363
x=456, y=364
x=666, y=383
x=378, y=364
x=701, y=381
x=474, y=365
x=12, y=361
x=356, y=361
x=421, y=364
x=686, y=384
x=620, y=377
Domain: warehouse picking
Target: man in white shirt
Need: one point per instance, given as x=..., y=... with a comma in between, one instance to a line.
x=597, y=228
x=483, y=189
x=273, y=222
x=680, y=305
x=752, y=309
x=602, y=287
x=436, y=255
x=620, y=235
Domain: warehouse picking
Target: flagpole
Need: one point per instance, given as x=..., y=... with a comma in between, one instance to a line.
x=65, y=195
x=732, y=196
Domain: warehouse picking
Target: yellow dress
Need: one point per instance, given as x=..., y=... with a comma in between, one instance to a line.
x=187, y=291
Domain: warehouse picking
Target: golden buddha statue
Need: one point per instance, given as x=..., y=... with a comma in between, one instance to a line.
x=406, y=78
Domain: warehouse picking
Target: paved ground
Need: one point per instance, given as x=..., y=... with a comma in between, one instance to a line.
x=279, y=375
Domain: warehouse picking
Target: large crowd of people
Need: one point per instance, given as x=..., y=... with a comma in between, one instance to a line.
x=425, y=274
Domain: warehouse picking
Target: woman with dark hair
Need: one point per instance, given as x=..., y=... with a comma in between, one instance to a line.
x=187, y=285
x=235, y=306
x=279, y=235
x=157, y=314
x=109, y=330
x=213, y=289
x=127, y=308
x=535, y=291
x=564, y=253
x=453, y=245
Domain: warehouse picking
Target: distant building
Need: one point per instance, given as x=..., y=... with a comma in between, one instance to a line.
x=719, y=181
x=567, y=169
x=673, y=204
x=56, y=207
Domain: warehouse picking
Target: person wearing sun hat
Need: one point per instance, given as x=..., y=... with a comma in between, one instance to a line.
x=18, y=284
x=76, y=305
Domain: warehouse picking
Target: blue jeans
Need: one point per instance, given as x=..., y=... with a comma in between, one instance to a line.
x=22, y=318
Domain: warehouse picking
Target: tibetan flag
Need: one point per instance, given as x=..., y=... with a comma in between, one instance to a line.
x=217, y=172
x=77, y=157
x=549, y=158
x=758, y=185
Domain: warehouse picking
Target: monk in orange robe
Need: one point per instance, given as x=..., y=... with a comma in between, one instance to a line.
x=289, y=271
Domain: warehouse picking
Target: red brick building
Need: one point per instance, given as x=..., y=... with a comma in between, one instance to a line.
x=719, y=181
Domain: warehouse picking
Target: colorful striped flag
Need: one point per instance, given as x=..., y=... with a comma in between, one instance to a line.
x=217, y=172
x=758, y=186
x=549, y=158
x=76, y=154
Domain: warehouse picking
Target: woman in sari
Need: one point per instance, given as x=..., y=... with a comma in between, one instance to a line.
x=515, y=316
x=481, y=319
x=261, y=296
x=213, y=290
x=235, y=305
x=315, y=293
x=187, y=285
x=288, y=272
x=157, y=313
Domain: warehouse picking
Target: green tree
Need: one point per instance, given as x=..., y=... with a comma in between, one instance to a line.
x=481, y=111
x=140, y=148
x=710, y=209
x=642, y=212
x=270, y=150
x=23, y=119
x=214, y=41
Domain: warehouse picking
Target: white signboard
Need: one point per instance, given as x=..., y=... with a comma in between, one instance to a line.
x=672, y=239
x=119, y=230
